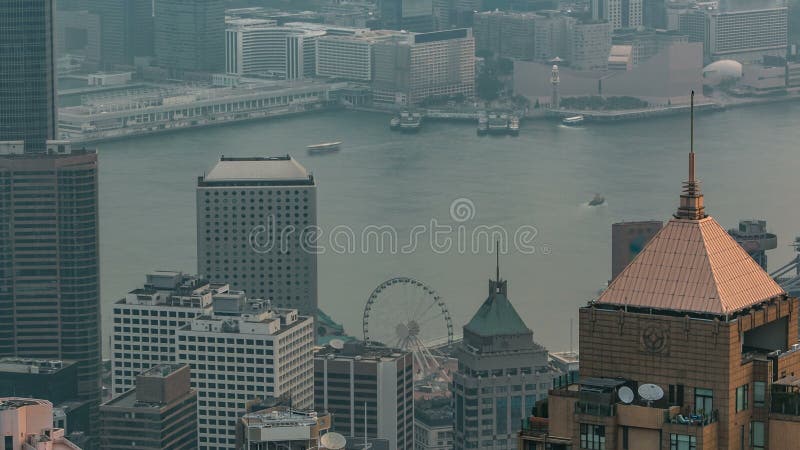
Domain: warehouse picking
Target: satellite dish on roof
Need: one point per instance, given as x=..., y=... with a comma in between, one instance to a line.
x=625, y=395
x=333, y=441
x=651, y=392
x=338, y=344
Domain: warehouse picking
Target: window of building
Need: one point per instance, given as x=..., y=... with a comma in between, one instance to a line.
x=759, y=393
x=703, y=400
x=742, y=397
x=757, y=435
x=593, y=437
x=682, y=442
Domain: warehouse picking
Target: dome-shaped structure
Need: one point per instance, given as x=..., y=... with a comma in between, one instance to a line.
x=719, y=71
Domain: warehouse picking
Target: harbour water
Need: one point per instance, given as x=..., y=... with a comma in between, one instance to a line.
x=544, y=178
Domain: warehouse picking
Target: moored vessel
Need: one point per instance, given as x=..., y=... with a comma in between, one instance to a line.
x=325, y=147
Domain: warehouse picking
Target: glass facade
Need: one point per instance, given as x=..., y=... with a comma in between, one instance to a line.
x=27, y=73
x=190, y=35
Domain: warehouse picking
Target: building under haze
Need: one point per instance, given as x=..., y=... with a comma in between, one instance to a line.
x=620, y=13
x=49, y=265
x=252, y=214
x=283, y=428
x=160, y=413
x=242, y=352
x=359, y=379
x=749, y=34
x=413, y=67
x=126, y=30
x=190, y=36
x=409, y=15
x=28, y=110
x=501, y=374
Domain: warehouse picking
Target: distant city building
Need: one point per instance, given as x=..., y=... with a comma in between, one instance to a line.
x=620, y=58
x=159, y=414
x=28, y=75
x=754, y=238
x=568, y=365
x=145, y=322
x=49, y=264
x=505, y=34
x=245, y=208
x=647, y=43
x=78, y=35
x=409, y=15
x=126, y=30
x=433, y=424
x=589, y=44
x=501, y=374
x=654, y=14
x=282, y=428
x=259, y=47
x=620, y=13
x=349, y=57
x=27, y=424
x=53, y=380
x=190, y=35
x=628, y=240
x=244, y=351
x=412, y=68
x=748, y=35
x=359, y=380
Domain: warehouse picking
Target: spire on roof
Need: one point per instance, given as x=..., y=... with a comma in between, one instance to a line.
x=691, y=206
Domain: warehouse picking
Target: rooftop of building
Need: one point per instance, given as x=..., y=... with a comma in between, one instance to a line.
x=692, y=265
x=569, y=357
x=497, y=316
x=280, y=169
x=280, y=416
x=10, y=403
x=14, y=364
x=162, y=370
x=434, y=412
x=358, y=350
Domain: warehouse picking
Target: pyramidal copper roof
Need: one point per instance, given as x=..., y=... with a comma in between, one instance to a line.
x=692, y=266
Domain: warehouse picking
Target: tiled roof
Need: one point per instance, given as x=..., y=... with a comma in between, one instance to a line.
x=692, y=266
x=497, y=316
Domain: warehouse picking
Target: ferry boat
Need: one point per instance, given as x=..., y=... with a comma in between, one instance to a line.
x=394, y=124
x=410, y=122
x=572, y=120
x=513, y=126
x=498, y=123
x=483, y=124
x=325, y=147
x=597, y=200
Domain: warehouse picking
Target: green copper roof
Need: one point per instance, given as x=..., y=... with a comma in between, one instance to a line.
x=497, y=316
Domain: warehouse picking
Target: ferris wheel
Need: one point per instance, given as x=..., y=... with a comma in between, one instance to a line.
x=406, y=313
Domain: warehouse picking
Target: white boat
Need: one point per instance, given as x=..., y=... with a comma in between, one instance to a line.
x=572, y=120
x=325, y=147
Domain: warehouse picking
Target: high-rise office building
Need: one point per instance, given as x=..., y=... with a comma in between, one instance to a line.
x=27, y=423
x=433, y=424
x=190, y=35
x=376, y=381
x=748, y=35
x=245, y=350
x=252, y=214
x=501, y=374
x=409, y=15
x=589, y=44
x=754, y=238
x=692, y=346
x=145, y=322
x=349, y=57
x=49, y=266
x=126, y=30
x=413, y=67
x=505, y=34
x=28, y=110
x=159, y=414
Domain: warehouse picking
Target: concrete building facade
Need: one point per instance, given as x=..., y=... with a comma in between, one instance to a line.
x=159, y=414
x=433, y=424
x=245, y=209
x=376, y=381
x=146, y=320
x=747, y=36
x=620, y=13
x=27, y=424
x=245, y=350
x=501, y=374
x=589, y=44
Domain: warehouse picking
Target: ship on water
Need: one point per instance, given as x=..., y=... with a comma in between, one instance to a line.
x=572, y=121
x=597, y=200
x=325, y=147
x=497, y=123
x=410, y=122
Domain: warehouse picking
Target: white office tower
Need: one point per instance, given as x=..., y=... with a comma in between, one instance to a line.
x=252, y=215
x=242, y=352
x=145, y=322
x=749, y=34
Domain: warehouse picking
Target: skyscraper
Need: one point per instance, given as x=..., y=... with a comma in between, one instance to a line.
x=251, y=216
x=126, y=30
x=621, y=13
x=190, y=35
x=49, y=278
x=27, y=73
x=501, y=374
